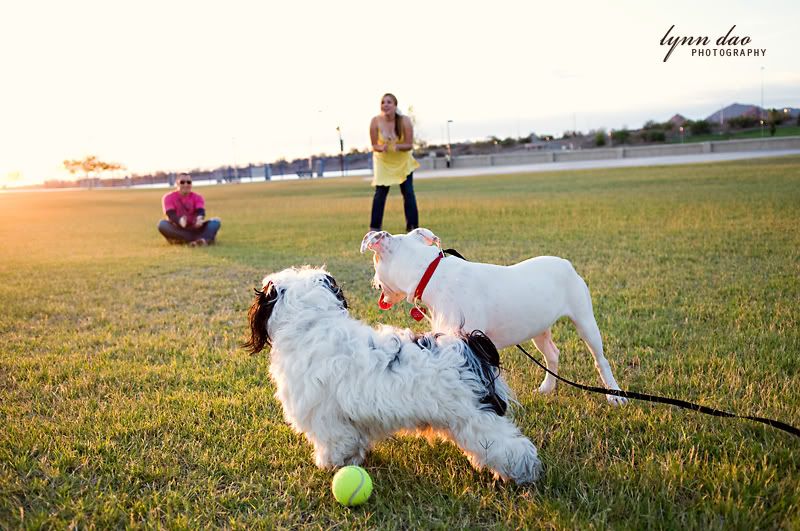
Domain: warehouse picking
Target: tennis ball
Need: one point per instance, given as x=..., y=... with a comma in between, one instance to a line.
x=351, y=486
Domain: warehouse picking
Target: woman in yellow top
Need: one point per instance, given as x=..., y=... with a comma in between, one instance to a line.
x=392, y=136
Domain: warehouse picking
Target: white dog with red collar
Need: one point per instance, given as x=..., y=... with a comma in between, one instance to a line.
x=511, y=304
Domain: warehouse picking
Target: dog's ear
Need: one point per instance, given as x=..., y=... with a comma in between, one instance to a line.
x=258, y=316
x=427, y=237
x=372, y=240
x=483, y=347
x=488, y=362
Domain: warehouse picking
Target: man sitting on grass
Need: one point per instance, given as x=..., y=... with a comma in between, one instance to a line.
x=186, y=214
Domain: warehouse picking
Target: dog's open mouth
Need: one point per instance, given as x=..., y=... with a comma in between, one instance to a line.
x=388, y=297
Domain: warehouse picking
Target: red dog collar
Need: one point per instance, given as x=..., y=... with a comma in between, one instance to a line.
x=416, y=312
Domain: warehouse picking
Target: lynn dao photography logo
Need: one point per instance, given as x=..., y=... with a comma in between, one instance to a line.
x=727, y=45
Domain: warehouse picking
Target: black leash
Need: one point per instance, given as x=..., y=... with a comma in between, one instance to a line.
x=788, y=428
x=454, y=253
x=671, y=401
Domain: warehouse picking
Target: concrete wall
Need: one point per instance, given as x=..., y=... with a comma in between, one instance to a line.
x=588, y=154
x=756, y=144
x=623, y=152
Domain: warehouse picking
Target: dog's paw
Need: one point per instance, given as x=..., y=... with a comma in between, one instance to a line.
x=356, y=459
x=325, y=464
x=547, y=388
x=616, y=400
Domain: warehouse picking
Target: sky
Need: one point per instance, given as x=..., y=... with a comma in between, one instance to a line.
x=176, y=85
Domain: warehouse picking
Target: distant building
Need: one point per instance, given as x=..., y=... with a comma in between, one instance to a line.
x=735, y=110
x=677, y=121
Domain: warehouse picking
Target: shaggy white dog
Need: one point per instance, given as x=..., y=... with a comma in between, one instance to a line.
x=345, y=385
x=510, y=304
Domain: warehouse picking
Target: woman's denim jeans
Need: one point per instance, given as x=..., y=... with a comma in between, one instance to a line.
x=409, y=204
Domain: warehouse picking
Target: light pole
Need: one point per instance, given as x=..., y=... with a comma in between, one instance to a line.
x=341, y=149
x=315, y=118
x=449, y=151
x=761, y=112
x=235, y=162
x=681, y=128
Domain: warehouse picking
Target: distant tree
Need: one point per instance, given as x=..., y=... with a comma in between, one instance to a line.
x=90, y=165
x=798, y=119
x=743, y=122
x=699, y=127
x=621, y=136
x=508, y=142
x=651, y=125
x=419, y=142
x=600, y=139
x=654, y=135
x=775, y=116
x=12, y=178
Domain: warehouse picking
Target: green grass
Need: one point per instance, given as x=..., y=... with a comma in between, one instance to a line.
x=789, y=130
x=125, y=401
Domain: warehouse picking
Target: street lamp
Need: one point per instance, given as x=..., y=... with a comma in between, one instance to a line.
x=449, y=151
x=235, y=162
x=761, y=112
x=681, y=129
x=341, y=149
x=315, y=117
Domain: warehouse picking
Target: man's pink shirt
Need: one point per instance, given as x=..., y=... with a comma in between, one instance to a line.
x=183, y=205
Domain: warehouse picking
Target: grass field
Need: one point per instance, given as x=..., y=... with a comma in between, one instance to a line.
x=125, y=401
x=786, y=130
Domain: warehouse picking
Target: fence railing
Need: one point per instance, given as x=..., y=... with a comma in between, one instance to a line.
x=622, y=152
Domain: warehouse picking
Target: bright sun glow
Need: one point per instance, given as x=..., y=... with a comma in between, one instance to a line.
x=180, y=85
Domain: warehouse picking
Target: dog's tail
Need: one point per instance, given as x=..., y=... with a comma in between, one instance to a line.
x=484, y=361
x=258, y=316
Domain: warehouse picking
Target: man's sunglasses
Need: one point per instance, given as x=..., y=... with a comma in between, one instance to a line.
x=185, y=182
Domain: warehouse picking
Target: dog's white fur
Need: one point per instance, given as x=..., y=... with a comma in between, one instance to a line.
x=345, y=385
x=510, y=304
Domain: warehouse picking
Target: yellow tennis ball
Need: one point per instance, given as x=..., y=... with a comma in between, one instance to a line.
x=351, y=486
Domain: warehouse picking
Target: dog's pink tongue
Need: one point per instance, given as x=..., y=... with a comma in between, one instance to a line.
x=382, y=304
